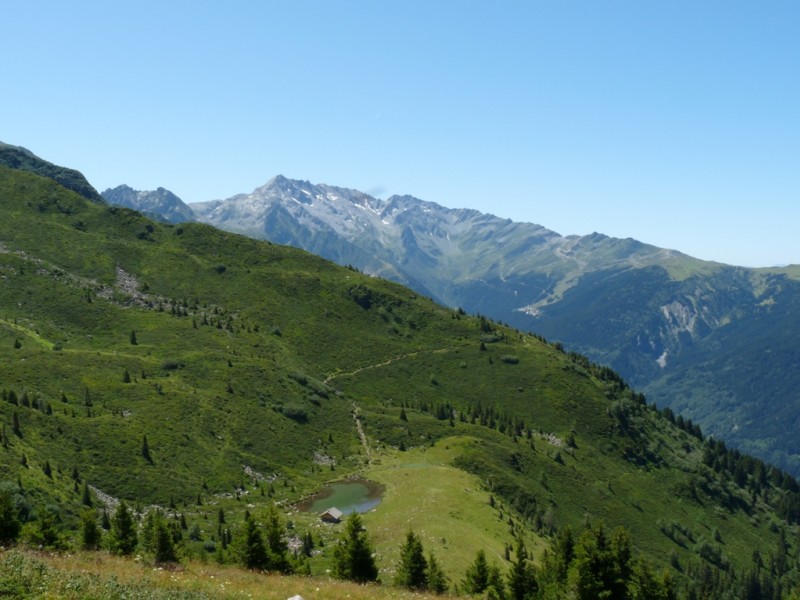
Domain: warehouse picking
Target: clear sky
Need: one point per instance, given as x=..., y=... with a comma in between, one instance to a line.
x=676, y=123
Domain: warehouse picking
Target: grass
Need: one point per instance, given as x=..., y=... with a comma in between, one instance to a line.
x=446, y=507
x=90, y=576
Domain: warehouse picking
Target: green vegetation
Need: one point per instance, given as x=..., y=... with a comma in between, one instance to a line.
x=19, y=158
x=249, y=387
x=352, y=556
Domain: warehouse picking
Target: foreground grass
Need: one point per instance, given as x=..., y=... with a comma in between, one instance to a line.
x=97, y=575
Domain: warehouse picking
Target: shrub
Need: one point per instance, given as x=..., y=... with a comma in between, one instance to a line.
x=296, y=413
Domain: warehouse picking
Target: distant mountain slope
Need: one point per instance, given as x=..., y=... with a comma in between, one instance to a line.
x=161, y=204
x=708, y=339
x=193, y=368
x=16, y=157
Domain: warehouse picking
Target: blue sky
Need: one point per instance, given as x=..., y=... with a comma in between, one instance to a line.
x=676, y=123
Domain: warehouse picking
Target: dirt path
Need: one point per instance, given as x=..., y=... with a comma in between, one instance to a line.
x=388, y=362
x=361, y=433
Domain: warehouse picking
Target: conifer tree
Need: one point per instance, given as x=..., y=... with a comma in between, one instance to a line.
x=122, y=538
x=522, y=583
x=352, y=557
x=251, y=551
x=476, y=579
x=15, y=424
x=133, y=338
x=45, y=531
x=437, y=581
x=412, y=570
x=146, y=450
x=157, y=538
x=86, y=495
x=277, y=547
x=308, y=543
x=9, y=513
x=90, y=533
x=496, y=587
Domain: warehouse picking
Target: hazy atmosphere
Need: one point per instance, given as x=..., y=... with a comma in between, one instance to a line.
x=676, y=123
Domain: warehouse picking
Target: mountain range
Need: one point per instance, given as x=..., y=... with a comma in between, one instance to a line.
x=184, y=367
x=714, y=342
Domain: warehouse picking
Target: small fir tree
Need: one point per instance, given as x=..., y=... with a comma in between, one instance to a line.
x=105, y=522
x=9, y=513
x=522, y=582
x=277, y=548
x=476, y=579
x=91, y=534
x=437, y=580
x=412, y=570
x=158, y=539
x=45, y=531
x=146, y=450
x=122, y=538
x=251, y=550
x=352, y=557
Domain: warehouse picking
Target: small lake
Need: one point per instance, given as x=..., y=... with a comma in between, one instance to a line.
x=353, y=495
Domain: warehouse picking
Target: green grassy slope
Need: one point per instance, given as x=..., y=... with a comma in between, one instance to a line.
x=253, y=363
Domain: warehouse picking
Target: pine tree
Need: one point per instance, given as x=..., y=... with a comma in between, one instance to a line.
x=157, y=538
x=122, y=538
x=277, y=547
x=146, y=450
x=90, y=532
x=412, y=570
x=86, y=495
x=476, y=579
x=522, y=579
x=251, y=551
x=352, y=557
x=15, y=424
x=308, y=544
x=437, y=581
x=133, y=338
x=45, y=531
x=9, y=513
x=496, y=587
